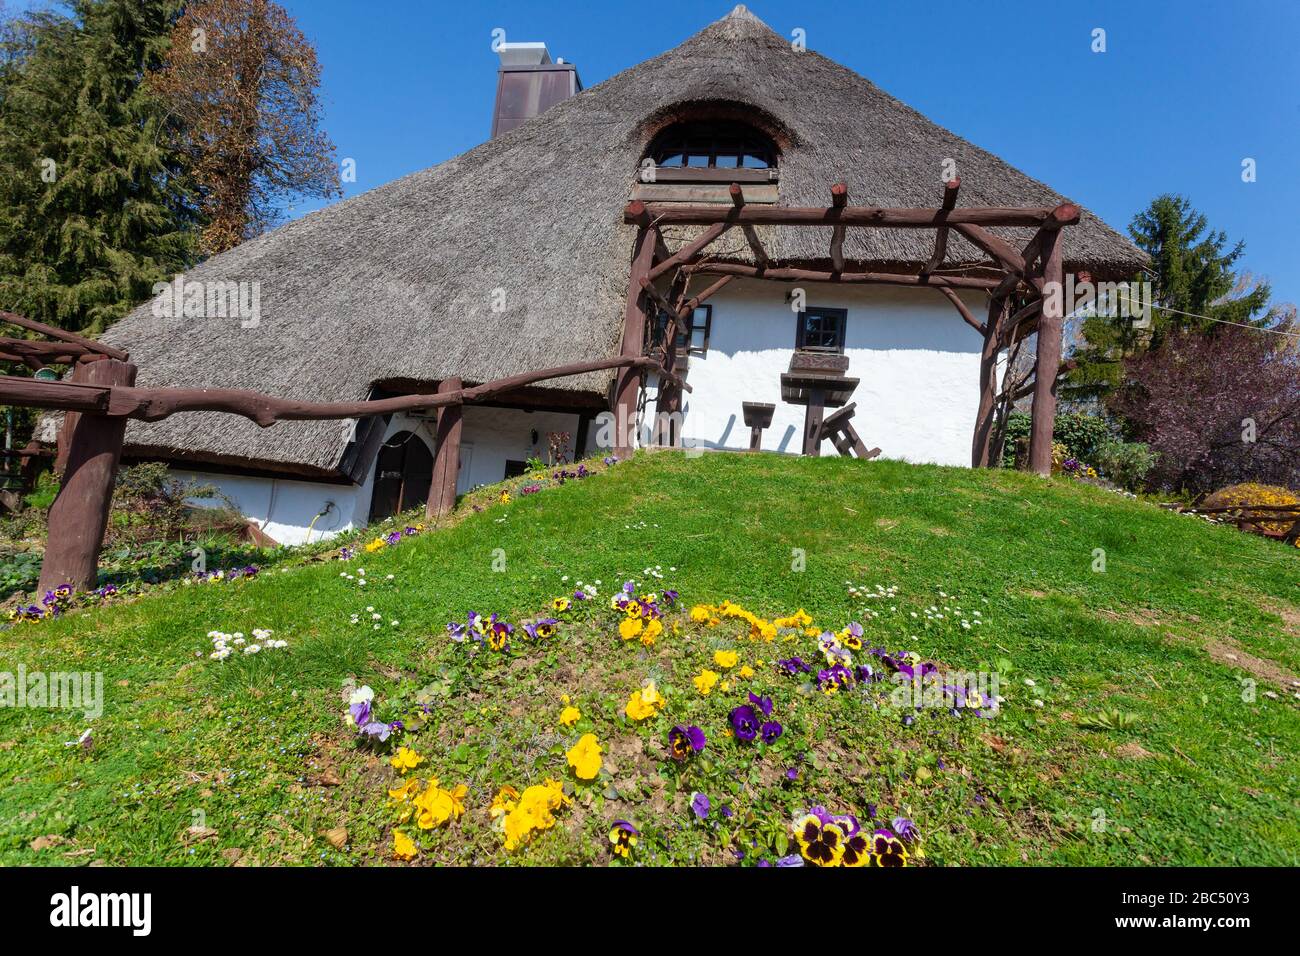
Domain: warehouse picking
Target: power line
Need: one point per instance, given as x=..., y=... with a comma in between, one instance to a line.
x=1210, y=318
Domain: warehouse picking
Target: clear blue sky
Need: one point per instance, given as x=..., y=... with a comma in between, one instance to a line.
x=1185, y=91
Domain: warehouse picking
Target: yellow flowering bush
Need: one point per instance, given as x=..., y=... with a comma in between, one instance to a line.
x=1254, y=493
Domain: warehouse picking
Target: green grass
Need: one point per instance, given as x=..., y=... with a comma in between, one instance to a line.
x=253, y=748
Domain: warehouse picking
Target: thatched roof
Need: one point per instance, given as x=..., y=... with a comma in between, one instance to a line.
x=401, y=282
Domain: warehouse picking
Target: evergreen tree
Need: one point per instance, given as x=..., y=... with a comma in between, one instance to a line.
x=1192, y=274
x=94, y=207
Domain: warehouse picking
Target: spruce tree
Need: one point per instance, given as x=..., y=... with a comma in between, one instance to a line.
x=1192, y=274
x=93, y=210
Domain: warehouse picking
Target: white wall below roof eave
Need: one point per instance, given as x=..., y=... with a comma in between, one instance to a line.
x=917, y=360
x=284, y=508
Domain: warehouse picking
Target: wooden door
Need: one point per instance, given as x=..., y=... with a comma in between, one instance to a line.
x=403, y=473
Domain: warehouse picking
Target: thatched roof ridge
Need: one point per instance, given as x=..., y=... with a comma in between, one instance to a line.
x=513, y=256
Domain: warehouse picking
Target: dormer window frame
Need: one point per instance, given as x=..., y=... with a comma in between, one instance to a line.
x=710, y=152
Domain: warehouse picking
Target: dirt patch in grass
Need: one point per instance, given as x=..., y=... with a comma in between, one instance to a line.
x=1133, y=751
x=1228, y=652
x=1289, y=614
x=1138, y=616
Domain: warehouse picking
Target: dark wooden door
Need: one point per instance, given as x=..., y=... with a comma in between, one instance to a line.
x=403, y=473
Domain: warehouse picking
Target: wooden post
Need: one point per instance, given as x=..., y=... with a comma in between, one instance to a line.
x=1049, y=356
x=634, y=320
x=812, y=424
x=446, y=456
x=988, y=384
x=79, y=514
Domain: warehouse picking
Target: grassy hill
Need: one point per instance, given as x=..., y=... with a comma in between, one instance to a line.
x=1149, y=713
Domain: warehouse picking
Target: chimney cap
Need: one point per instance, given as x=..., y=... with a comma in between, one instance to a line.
x=524, y=54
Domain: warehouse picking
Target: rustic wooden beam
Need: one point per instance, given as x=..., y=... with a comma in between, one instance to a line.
x=839, y=200
x=62, y=335
x=751, y=235
x=952, y=297
x=680, y=214
x=1017, y=326
x=66, y=396
x=694, y=301
x=688, y=252
x=19, y=350
x=1007, y=255
x=79, y=514
x=154, y=404
x=848, y=278
x=446, y=454
x=941, y=235
x=1043, y=410
x=634, y=323
x=659, y=298
x=985, y=411
x=636, y=214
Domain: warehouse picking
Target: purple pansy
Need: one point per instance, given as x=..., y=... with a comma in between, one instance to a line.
x=700, y=805
x=685, y=741
x=744, y=723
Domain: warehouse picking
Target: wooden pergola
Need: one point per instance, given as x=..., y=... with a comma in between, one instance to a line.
x=1015, y=280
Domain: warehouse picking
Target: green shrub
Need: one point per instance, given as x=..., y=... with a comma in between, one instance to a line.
x=1124, y=462
x=1081, y=435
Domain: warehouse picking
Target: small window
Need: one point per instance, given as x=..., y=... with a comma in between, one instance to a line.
x=713, y=146
x=693, y=339
x=515, y=468
x=821, y=330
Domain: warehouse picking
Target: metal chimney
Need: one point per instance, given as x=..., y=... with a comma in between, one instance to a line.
x=528, y=84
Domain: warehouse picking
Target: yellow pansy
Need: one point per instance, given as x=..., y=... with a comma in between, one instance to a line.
x=405, y=759
x=437, y=806
x=403, y=846
x=533, y=811
x=375, y=545
x=406, y=791
x=507, y=799
x=570, y=716
x=630, y=627
x=653, y=628
x=701, y=612
x=645, y=702
x=746, y=672
x=584, y=757
x=725, y=659
x=705, y=681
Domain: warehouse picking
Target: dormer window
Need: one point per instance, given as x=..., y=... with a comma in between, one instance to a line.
x=712, y=146
x=697, y=160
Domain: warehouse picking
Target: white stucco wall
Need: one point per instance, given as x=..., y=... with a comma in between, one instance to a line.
x=493, y=436
x=918, y=363
x=285, y=508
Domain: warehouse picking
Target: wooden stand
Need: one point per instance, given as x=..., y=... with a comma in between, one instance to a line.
x=817, y=392
x=757, y=416
x=838, y=427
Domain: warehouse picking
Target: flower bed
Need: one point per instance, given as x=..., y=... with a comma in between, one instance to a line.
x=731, y=697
